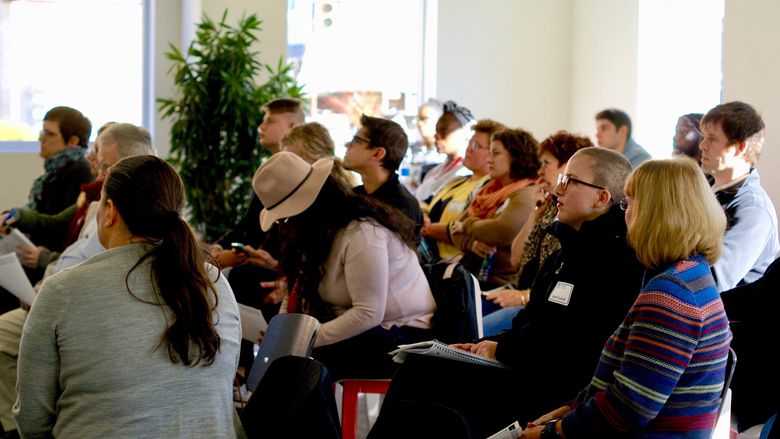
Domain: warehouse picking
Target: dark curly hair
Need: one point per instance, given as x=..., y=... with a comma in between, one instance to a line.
x=521, y=146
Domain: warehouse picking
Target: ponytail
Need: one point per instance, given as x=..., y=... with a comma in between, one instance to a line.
x=149, y=194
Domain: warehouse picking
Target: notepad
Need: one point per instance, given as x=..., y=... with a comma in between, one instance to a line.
x=8, y=242
x=436, y=348
x=253, y=324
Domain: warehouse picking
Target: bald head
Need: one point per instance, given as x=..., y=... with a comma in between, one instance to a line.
x=610, y=169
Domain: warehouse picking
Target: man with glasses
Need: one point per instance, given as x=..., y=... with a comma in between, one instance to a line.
x=581, y=294
x=63, y=142
x=375, y=152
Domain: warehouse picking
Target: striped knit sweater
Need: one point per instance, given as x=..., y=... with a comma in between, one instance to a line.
x=661, y=373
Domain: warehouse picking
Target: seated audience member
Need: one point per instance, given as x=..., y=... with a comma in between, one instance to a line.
x=613, y=131
x=453, y=199
x=375, y=153
x=661, y=373
x=122, y=140
x=581, y=294
x=311, y=142
x=69, y=222
x=349, y=261
x=128, y=342
x=500, y=208
x=535, y=243
x=281, y=116
x=733, y=139
x=64, y=140
x=687, y=136
x=452, y=137
x=752, y=310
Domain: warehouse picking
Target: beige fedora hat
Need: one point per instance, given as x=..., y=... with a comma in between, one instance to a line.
x=287, y=185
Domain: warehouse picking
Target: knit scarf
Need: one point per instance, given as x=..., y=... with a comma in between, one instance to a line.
x=492, y=196
x=51, y=168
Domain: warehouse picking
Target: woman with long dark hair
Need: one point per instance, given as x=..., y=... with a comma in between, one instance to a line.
x=349, y=261
x=142, y=339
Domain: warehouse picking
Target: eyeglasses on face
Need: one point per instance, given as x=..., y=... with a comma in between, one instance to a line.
x=46, y=133
x=624, y=204
x=473, y=144
x=358, y=139
x=564, y=180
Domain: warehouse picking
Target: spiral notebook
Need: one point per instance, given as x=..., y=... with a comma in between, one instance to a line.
x=438, y=349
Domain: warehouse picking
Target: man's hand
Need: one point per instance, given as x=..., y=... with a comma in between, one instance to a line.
x=279, y=290
x=28, y=256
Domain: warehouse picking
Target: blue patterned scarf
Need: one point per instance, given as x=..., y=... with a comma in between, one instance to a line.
x=51, y=168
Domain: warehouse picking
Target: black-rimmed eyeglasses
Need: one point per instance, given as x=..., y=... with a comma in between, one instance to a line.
x=623, y=204
x=358, y=139
x=564, y=180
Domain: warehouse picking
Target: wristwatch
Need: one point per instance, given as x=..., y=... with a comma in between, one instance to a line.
x=549, y=431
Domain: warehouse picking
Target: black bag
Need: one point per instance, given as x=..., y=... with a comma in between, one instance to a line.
x=457, y=319
x=294, y=399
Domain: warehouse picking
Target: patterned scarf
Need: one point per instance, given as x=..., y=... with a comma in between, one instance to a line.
x=51, y=168
x=492, y=196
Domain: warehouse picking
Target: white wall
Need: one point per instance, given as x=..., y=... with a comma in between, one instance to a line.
x=604, y=71
x=509, y=60
x=751, y=68
x=17, y=173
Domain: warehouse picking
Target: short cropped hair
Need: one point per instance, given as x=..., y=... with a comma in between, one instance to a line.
x=488, y=126
x=610, y=169
x=388, y=135
x=521, y=146
x=618, y=118
x=72, y=123
x=562, y=145
x=290, y=106
x=739, y=122
x=674, y=213
x=131, y=140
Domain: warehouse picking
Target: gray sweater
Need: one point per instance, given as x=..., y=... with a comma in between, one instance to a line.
x=91, y=362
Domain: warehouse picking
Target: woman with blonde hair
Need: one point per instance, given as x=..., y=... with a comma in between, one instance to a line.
x=311, y=142
x=662, y=372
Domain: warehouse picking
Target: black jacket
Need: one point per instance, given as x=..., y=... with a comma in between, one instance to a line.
x=556, y=347
x=394, y=194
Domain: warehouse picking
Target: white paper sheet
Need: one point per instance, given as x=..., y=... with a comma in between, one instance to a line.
x=13, y=279
x=253, y=324
x=9, y=241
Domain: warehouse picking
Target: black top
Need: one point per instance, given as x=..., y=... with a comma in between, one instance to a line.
x=58, y=194
x=752, y=311
x=247, y=231
x=394, y=194
x=562, y=343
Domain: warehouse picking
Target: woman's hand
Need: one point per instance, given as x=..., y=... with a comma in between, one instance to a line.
x=555, y=414
x=485, y=348
x=508, y=298
x=261, y=258
x=5, y=221
x=227, y=258
x=481, y=249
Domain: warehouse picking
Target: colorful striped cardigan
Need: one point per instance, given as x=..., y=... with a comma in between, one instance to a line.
x=661, y=373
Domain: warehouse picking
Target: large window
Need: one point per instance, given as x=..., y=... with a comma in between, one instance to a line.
x=358, y=56
x=86, y=54
x=680, y=66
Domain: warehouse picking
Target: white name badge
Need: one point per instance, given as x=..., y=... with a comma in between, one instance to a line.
x=561, y=294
